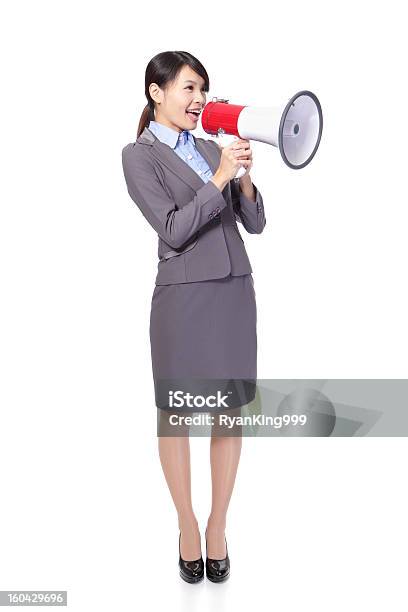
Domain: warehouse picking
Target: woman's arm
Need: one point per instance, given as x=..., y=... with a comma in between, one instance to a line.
x=247, y=202
x=174, y=226
x=247, y=188
x=250, y=212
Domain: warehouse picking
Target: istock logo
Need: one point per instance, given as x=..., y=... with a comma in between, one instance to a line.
x=178, y=399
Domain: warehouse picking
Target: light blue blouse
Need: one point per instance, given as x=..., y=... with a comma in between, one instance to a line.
x=183, y=145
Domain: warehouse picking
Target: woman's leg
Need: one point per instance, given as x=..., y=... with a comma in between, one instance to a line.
x=175, y=460
x=225, y=452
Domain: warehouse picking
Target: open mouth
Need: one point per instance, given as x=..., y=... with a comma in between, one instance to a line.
x=193, y=115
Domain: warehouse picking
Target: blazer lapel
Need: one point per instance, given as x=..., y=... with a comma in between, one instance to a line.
x=209, y=154
x=170, y=158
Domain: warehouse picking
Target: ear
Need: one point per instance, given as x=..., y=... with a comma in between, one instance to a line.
x=155, y=92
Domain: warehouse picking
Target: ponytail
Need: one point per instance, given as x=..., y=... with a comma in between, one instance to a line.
x=145, y=118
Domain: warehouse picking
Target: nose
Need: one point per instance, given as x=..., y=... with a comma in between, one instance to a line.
x=201, y=100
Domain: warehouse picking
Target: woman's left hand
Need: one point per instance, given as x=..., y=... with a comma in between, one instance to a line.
x=243, y=152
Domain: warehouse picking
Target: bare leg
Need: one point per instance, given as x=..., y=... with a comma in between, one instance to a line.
x=225, y=452
x=175, y=460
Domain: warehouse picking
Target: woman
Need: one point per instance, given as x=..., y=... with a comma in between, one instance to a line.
x=203, y=312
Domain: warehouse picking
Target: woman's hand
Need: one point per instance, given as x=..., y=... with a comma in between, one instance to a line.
x=243, y=152
x=233, y=157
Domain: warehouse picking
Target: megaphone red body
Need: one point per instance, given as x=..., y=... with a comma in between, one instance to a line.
x=295, y=127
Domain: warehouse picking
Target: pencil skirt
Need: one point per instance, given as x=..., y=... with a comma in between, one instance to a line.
x=205, y=331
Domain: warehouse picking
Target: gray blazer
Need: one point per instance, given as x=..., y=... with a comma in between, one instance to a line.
x=196, y=222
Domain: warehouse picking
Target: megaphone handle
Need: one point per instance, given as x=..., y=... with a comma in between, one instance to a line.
x=241, y=171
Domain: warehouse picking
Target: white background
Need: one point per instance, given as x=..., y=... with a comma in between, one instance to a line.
x=314, y=524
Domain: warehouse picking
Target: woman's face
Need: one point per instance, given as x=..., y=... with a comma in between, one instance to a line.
x=186, y=92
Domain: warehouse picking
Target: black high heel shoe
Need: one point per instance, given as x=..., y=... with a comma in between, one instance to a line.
x=191, y=571
x=217, y=570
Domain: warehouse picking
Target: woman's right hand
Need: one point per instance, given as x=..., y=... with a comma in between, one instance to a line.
x=233, y=157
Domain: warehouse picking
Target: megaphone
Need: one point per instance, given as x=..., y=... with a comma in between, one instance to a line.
x=295, y=127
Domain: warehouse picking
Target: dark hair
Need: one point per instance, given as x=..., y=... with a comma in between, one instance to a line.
x=163, y=69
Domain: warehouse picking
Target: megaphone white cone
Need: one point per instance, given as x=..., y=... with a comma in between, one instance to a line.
x=295, y=128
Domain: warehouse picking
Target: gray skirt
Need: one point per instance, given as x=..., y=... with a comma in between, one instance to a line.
x=204, y=331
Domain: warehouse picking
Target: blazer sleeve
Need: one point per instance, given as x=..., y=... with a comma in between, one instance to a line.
x=173, y=224
x=250, y=214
